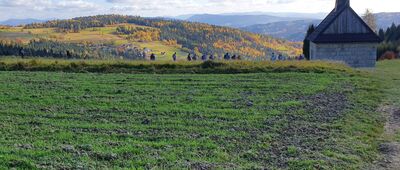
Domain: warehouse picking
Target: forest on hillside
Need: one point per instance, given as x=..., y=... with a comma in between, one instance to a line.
x=55, y=49
x=194, y=37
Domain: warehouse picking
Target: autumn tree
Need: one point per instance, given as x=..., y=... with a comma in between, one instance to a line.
x=370, y=19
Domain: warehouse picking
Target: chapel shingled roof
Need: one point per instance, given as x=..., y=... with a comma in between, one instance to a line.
x=318, y=35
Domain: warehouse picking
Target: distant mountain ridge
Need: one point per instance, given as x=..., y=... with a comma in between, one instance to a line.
x=237, y=21
x=385, y=19
x=320, y=15
x=16, y=22
x=289, y=30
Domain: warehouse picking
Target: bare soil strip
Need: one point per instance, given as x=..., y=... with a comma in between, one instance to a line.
x=390, y=150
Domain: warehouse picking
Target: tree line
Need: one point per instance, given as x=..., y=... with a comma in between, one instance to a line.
x=55, y=49
x=390, y=47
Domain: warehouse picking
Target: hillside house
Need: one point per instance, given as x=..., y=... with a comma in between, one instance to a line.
x=344, y=36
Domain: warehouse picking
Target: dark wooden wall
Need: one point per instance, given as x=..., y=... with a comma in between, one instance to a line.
x=347, y=22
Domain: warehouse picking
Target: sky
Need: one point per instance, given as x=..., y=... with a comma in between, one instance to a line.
x=52, y=9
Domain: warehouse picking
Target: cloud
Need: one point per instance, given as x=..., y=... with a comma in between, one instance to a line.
x=154, y=5
x=203, y=1
x=72, y=8
x=41, y=5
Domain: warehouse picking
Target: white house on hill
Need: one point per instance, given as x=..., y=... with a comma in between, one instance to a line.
x=344, y=36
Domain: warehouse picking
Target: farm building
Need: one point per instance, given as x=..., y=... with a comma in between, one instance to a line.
x=344, y=36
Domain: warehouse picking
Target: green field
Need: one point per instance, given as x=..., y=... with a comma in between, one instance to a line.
x=273, y=120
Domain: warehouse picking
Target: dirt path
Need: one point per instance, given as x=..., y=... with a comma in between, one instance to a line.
x=391, y=150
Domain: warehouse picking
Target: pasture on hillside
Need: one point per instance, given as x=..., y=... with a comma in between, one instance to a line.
x=279, y=119
x=101, y=35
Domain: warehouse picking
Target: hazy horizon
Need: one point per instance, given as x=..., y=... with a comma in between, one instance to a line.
x=50, y=9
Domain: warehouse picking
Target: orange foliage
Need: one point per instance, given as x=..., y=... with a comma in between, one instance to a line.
x=145, y=36
x=226, y=46
x=170, y=42
x=251, y=51
x=388, y=55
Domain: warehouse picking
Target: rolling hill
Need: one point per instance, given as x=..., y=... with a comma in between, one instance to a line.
x=117, y=36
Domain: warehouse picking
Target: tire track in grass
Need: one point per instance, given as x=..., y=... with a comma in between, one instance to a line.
x=390, y=150
x=388, y=73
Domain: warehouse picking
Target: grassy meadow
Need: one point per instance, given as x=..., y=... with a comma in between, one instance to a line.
x=288, y=115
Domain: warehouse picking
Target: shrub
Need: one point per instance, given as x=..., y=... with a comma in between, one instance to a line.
x=389, y=55
x=211, y=64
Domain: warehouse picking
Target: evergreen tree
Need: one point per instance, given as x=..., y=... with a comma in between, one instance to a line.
x=391, y=33
x=382, y=34
x=306, y=42
x=397, y=34
x=391, y=41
